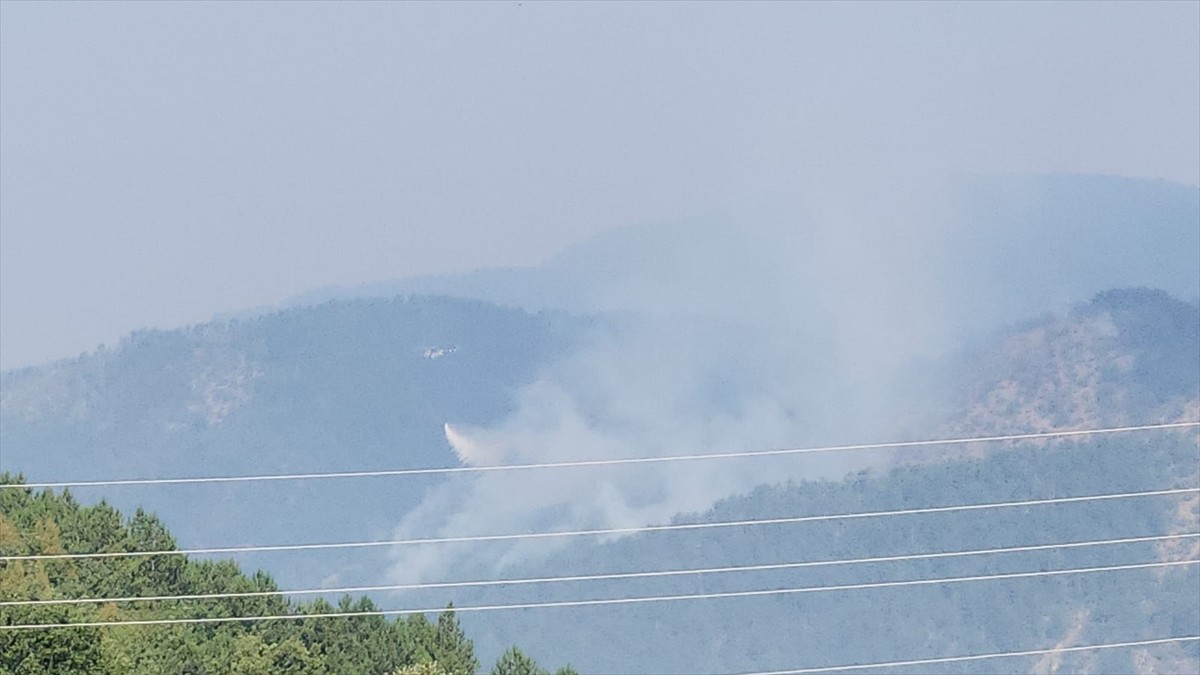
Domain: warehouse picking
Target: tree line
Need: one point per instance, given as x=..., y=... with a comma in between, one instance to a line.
x=47, y=522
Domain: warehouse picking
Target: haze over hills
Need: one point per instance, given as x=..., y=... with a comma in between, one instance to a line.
x=998, y=248
x=1027, y=305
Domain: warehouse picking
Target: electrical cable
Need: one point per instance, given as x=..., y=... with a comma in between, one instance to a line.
x=979, y=657
x=604, y=577
x=604, y=601
x=593, y=462
x=596, y=532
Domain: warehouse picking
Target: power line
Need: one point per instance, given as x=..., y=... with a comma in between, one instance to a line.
x=980, y=657
x=606, y=601
x=608, y=576
x=594, y=532
x=593, y=462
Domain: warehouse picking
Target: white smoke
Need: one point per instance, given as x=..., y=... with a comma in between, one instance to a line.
x=767, y=338
x=633, y=397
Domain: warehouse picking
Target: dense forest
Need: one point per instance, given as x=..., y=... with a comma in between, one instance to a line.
x=45, y=523
x=828, y=629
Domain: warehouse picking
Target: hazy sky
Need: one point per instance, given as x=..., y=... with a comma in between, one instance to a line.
x=162, y=162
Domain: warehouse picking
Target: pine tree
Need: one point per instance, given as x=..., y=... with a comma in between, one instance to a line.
x=452, y=650
x=515, y=662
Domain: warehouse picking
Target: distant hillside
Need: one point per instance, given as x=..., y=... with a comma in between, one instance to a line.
x=1129, y=356
x=1019, y=244
x=1006, y=247
x=344, y=385
x=1126, y=357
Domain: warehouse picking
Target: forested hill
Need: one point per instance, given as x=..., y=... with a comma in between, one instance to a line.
x=45, y=523
x=825, y=629
x=350, y=385
x=297, y=386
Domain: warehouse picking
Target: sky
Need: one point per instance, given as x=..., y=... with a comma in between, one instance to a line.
x=164, y=162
